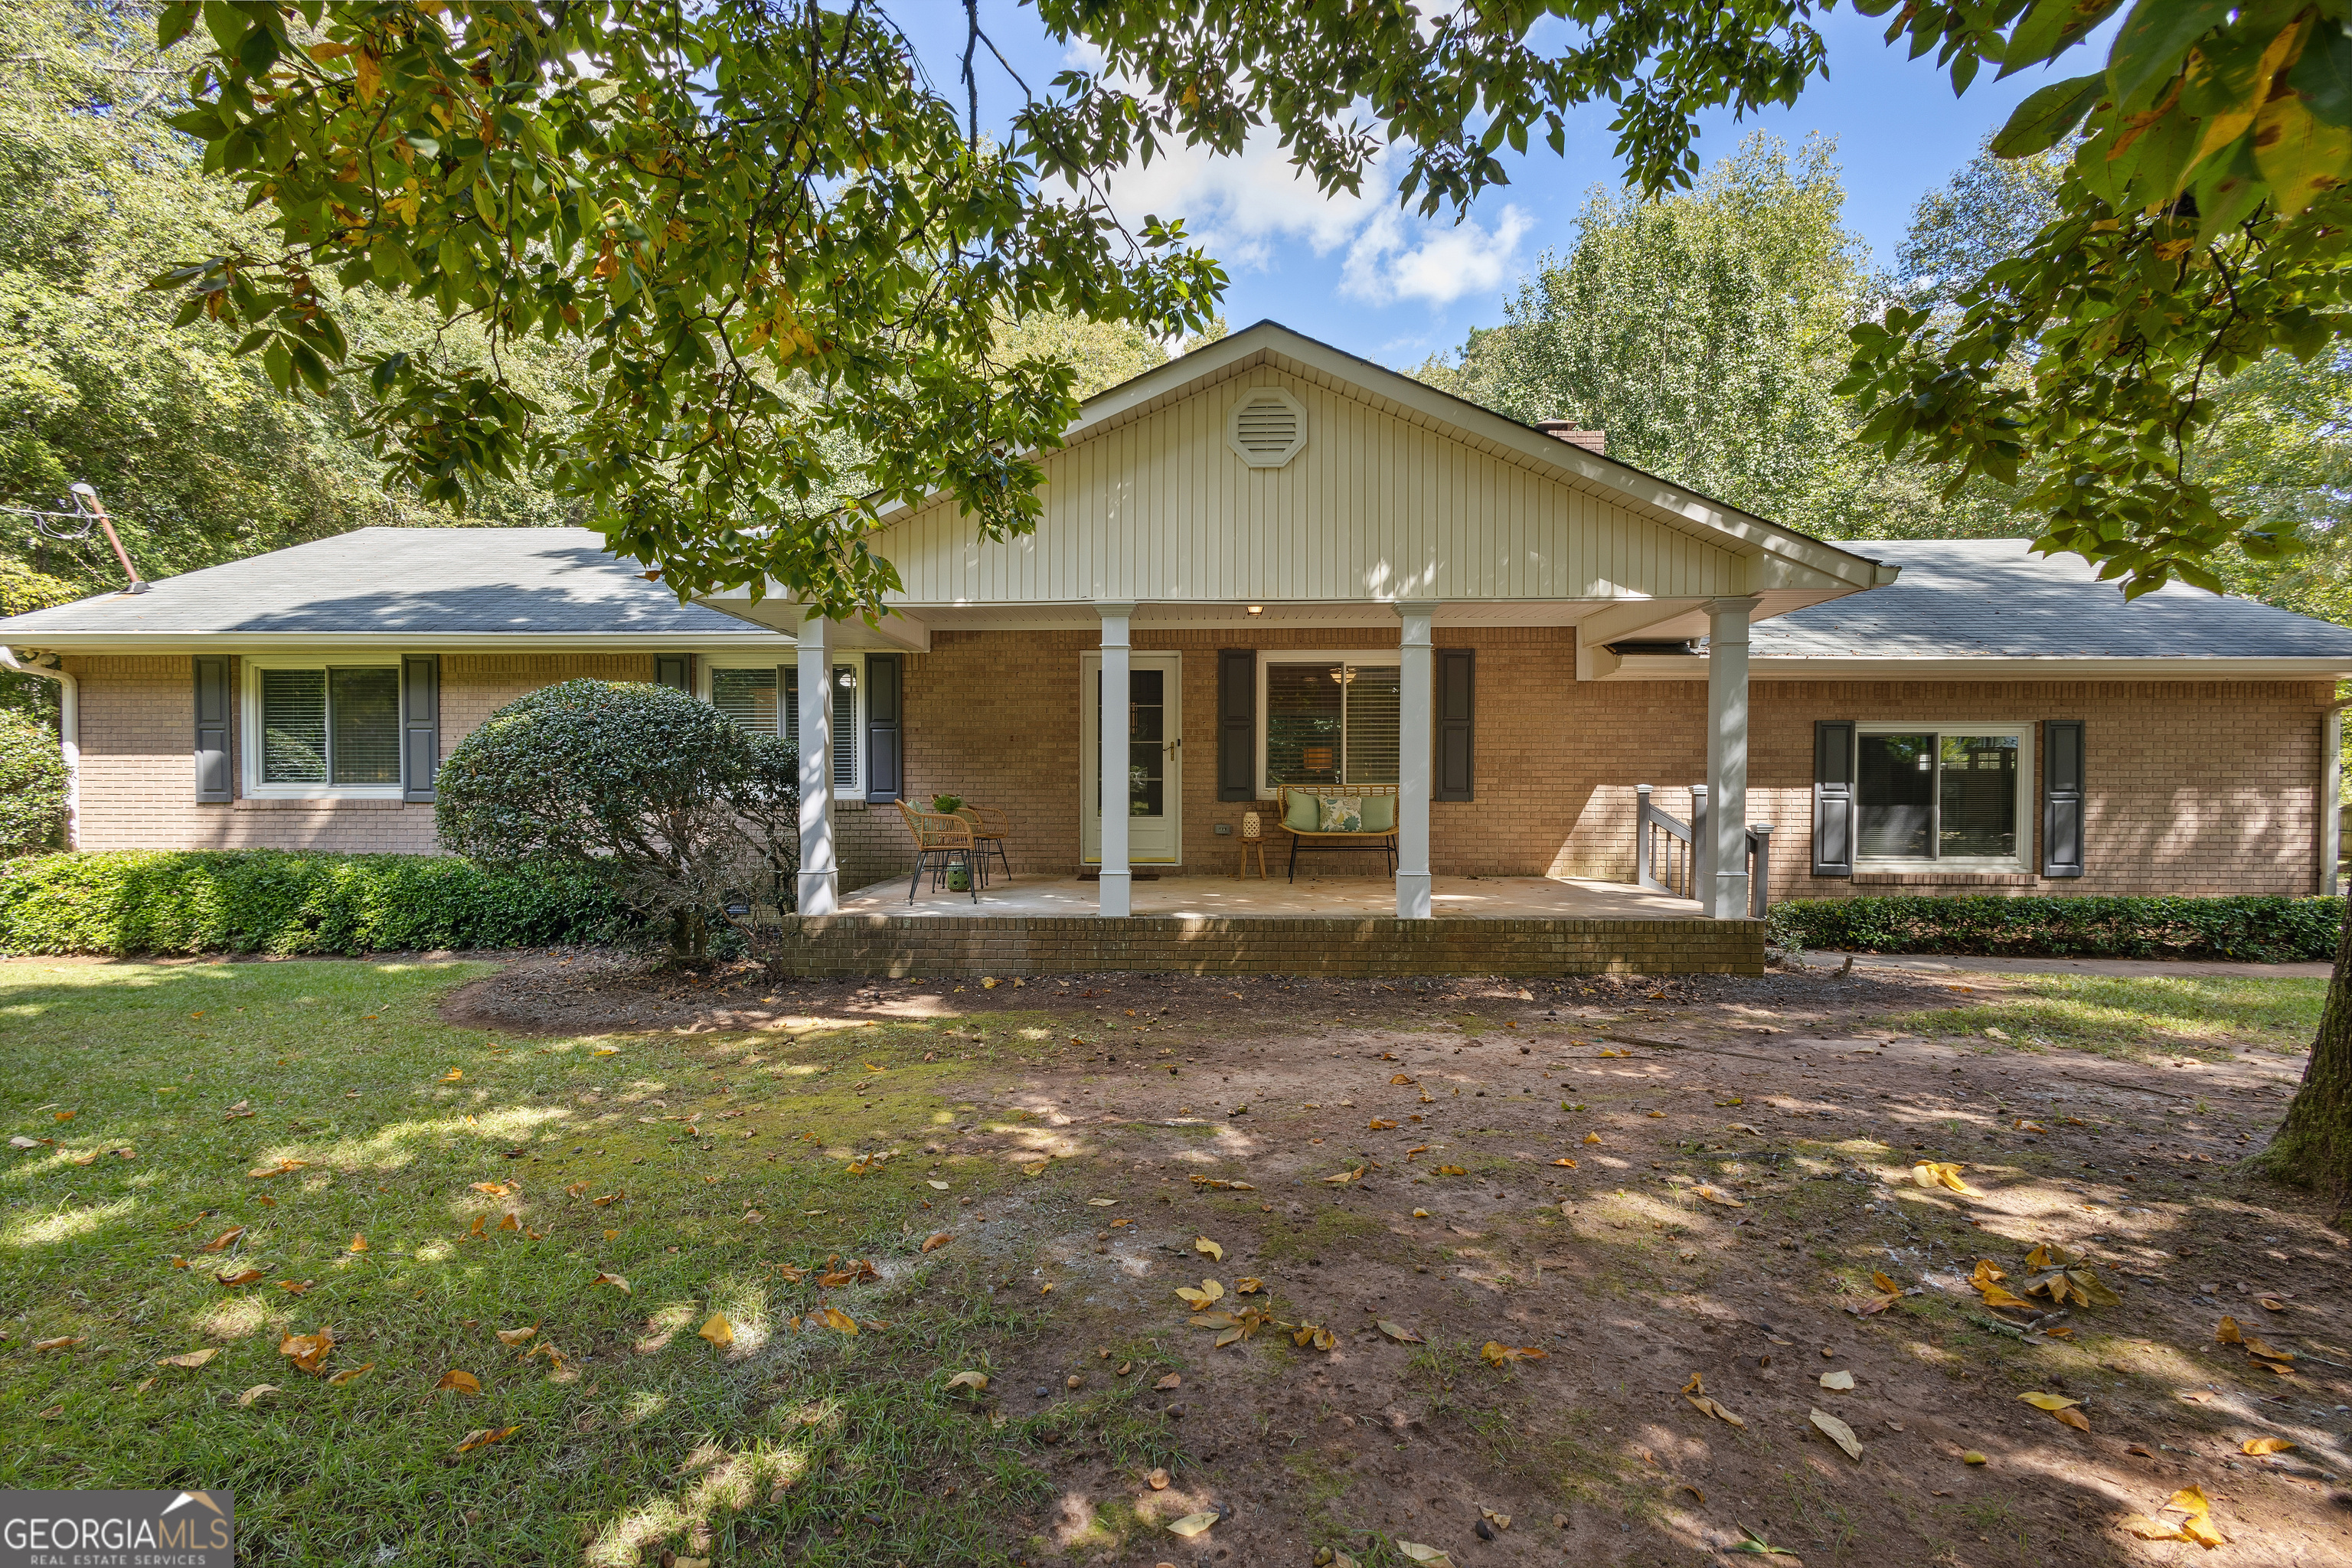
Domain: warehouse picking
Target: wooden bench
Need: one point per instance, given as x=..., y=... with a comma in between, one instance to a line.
x=1377, y=840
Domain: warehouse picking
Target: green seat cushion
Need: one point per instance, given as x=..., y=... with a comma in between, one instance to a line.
x=1301, y=812
x=1380, y=814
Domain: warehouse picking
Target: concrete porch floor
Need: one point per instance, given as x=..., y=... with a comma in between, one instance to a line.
x=1194, y=897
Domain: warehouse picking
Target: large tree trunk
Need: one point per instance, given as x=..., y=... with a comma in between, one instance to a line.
x=2315, y=1145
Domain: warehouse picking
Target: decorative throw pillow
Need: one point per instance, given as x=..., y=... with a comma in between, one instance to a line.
x=1342, y=813
x=1380, y=814
x=1300, y=814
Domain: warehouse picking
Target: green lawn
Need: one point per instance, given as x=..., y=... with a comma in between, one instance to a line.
x=2138, y=1017
x=632, y=1434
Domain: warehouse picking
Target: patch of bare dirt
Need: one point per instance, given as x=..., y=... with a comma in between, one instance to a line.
x=1644, y=1181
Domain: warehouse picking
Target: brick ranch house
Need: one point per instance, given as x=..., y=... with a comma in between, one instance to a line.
x=1302, y=568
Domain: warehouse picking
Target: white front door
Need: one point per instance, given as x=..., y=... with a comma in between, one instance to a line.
x=1155, y=759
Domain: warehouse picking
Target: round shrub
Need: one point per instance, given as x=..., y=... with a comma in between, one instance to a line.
x=32, y=786
x=665, y=798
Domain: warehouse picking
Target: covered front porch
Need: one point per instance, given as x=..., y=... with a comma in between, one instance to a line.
x=1276, y=595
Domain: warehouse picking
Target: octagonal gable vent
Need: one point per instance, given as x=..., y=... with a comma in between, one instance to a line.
x=1267, y=428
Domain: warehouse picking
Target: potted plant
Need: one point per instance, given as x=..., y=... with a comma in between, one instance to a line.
x=947, y=804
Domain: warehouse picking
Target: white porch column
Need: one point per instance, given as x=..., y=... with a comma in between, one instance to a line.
x=1725, y=896
x=1416, y=758
x=1116, y=896
x=820, y=884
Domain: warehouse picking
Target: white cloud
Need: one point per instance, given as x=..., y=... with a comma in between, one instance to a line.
x=1399, y=257
x=1247, y=210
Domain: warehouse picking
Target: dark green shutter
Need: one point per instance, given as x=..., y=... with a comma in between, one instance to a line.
x=885, y=727
x=420, y=725
x=1457, y=696
x=788, y=683
x=213, y=697
x=1833, y=797
x=673, y=670
x=2062, y=797
x=1237, y=723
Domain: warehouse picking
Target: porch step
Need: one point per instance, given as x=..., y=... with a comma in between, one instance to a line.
x=945, y=946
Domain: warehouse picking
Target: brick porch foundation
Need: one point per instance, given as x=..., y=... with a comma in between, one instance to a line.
x=862, y=946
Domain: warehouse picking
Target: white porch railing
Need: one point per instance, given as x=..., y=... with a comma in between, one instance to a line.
x=1665, y=851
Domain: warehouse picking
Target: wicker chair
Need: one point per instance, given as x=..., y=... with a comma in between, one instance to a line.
x=941, y=839
x=989, y=829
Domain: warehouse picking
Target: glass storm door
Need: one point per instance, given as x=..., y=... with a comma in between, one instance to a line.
x=1155, y=756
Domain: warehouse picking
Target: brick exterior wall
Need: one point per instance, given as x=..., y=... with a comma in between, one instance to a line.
x=2194, y=787
x=841, y=946
x=138, y=782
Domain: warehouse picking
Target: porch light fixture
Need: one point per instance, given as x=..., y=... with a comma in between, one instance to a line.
x=1257, y=609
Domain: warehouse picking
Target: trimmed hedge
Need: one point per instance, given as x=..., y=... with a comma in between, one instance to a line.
x=2261, y=931
x=270, y=901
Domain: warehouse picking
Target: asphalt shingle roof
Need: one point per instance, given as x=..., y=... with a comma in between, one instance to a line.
x=1992, y=598
x=420, y=581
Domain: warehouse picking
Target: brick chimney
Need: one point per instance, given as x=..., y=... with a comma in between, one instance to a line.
x=1593, y=441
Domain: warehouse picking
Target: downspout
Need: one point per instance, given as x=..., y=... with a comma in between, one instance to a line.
x=46, y=668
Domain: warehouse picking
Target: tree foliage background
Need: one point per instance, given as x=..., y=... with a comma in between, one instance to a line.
x=1708, y=334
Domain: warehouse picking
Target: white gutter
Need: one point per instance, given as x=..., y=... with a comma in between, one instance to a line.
x=1693, y=667
x=233, y=642
x=46, y=668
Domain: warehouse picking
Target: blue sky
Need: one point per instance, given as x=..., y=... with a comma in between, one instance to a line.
x=1380, y=282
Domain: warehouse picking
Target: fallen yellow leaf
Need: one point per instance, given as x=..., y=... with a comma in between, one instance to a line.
x=1838, y=1432
x=242, y=1277
x=1593, y=1137
x=1839, y=1382
x=614, y=1281
x=1496, y=1352
x=975, y=1381
x=482, y=1437
x=1203, y=1244
x=1191, y=1524
x=835, y=1318
x=2260, y=1446
x=459, y=1382
x=1401, y=1334
x=1430, y=1556
x=1714, y=1196
x=307, y=1351
x=717, y=1330
x=258, y=1391
x=198, y=1358
x=515, y=1336
x=1173, y=1380
x=351, y=1374
x=358, y=1242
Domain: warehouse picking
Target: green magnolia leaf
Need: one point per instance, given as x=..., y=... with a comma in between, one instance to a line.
x=2047, y=116
x=2048, y=29
x=2149, y=46
x=173, y=20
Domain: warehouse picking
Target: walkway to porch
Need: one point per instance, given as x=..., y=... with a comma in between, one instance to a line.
x=1325, y=898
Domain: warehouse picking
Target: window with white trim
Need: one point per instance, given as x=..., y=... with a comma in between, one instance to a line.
x=765, y=700
x=1328, y=719
x=329, y=728
x=1953, y=796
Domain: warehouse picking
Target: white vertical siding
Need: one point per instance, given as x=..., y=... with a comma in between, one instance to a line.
x=1376, y=507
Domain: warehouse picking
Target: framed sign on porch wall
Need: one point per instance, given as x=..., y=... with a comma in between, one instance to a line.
x=1155, y=753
